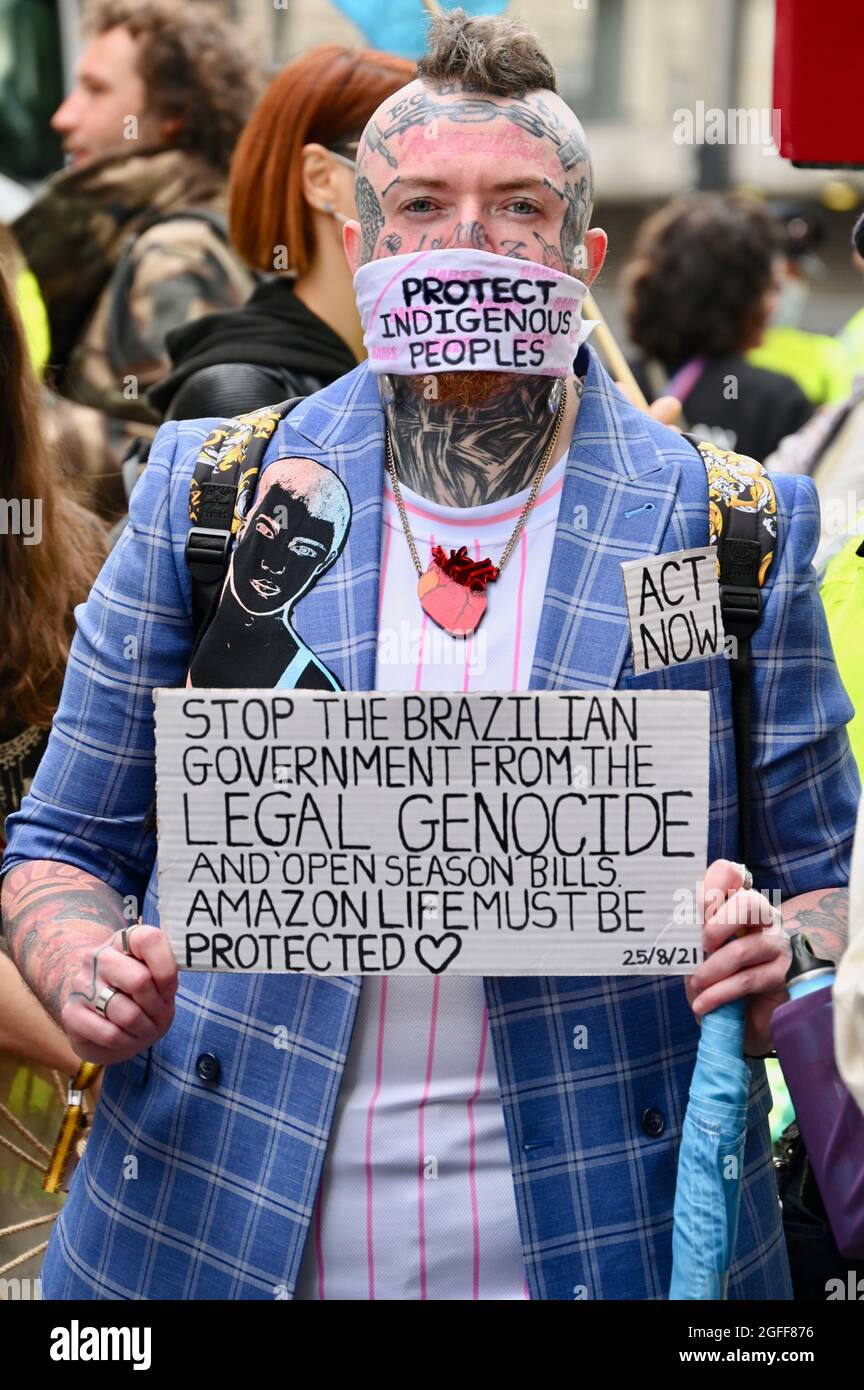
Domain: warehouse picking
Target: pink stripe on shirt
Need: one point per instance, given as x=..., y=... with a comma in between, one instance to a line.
x=388, y=537
x=379, y=1062
x=472, y=1151
x=421, y=1135
x=469, y=641
x=424, y=623
x=523, y=571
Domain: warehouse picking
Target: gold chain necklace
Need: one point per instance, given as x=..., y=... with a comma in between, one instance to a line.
x=452, y=591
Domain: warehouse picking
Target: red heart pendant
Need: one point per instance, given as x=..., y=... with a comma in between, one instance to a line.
x=453, y=606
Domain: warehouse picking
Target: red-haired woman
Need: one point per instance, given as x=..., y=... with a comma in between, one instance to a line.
x=291, y=188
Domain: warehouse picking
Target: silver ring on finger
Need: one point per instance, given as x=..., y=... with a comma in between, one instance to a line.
x=124, y=938
x=103, y=999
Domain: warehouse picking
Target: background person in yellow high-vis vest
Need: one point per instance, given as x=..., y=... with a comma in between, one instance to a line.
x=31, y=307
x=843, y=600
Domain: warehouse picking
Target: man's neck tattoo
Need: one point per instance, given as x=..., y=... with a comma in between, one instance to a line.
x=465, y=455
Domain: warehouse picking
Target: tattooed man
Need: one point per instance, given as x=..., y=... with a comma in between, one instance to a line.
x=439, y=1137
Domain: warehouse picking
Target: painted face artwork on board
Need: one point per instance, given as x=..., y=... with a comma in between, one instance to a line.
x=294, y=531
x=282, y=550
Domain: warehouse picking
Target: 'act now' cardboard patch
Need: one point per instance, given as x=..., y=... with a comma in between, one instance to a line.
x=673, y=603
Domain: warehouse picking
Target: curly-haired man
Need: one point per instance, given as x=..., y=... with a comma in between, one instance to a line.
x=129, y=241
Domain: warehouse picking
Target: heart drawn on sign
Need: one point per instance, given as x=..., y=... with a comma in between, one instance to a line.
x=436, y=952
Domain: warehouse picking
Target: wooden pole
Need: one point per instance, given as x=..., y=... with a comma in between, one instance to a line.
x=615, y=359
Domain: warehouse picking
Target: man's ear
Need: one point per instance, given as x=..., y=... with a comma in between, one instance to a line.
x=590, y=255
x=352, y=241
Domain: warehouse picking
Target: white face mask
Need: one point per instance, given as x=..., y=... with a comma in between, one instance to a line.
x=455, y=310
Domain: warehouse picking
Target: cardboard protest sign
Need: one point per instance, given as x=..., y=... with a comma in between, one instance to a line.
x=673, y=604
x=541, y=833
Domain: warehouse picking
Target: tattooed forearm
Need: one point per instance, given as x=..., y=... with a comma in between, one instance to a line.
x=51, y=913
x=823, y=917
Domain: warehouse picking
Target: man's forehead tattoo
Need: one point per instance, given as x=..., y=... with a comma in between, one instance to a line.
x=535, y=117
x=373, y=143
x=420, y=108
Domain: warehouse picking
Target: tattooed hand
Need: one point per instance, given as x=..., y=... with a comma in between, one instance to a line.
x=747, y=946
x=63, y=929
x=139, y=1012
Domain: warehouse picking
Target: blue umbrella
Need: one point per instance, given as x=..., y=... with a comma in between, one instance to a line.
x=711, y=1159
x=399, y=26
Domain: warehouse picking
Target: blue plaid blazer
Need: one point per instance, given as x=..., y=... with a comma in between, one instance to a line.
x=204, y=1189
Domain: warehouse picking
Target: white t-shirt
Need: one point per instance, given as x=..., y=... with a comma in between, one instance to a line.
x=417, y=1195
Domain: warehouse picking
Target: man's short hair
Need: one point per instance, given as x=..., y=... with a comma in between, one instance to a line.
x=489, y=53
x=195, y=67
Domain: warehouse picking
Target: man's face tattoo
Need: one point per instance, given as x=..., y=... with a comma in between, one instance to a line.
x=452, y=168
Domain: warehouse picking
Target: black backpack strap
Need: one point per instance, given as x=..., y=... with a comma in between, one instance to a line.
x=741, y=609
x=742, y=510
x=222, y=486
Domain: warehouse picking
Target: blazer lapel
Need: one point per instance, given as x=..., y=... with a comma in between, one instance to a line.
x=618, y=492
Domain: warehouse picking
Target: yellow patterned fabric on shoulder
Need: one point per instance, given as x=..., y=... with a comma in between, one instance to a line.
x=739, y=483
x=224, y=451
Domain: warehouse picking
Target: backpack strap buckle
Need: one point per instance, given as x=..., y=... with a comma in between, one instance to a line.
x=207, y=552
x=741, y=608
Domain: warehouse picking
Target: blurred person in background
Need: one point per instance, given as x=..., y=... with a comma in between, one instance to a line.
x=830, y=448
x=817, y=362
x=290, y=192
x=699, y=291
x=28, y=298
x=129, y=241
x=50, y=554
x=851, y=336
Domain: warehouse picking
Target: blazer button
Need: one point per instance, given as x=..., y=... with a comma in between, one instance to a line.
x=653, y=1122
x=208, y=1066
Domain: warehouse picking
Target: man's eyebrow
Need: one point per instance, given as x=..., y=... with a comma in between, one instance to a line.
x=421, y=181
x=501, y=186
